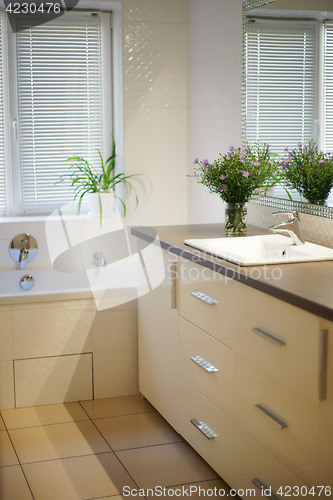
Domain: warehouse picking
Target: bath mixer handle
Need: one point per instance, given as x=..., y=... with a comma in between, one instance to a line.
x=24, y=254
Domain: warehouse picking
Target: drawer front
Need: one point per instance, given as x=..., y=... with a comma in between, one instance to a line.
x=280, y=420
x=207, y=299
x=255, y=467
x=208, y=365
x=280, y=339
x=218, y=451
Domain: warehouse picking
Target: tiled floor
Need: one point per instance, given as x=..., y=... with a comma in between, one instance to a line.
x=94, y=449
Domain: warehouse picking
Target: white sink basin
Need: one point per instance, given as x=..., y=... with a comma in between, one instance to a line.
x=261, y=250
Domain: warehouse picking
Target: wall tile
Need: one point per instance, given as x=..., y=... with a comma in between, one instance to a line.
x=197, y=9
x=6, y=385
x=209, y=86
x=53, y=380
x=155, y=86
x=165, y=168
x=6, y=334
x=86, y=303
x=50, y=331
x=115, y=373
x=155, y=43
x=214, y=128
x=161, y=208
x=114, y=330
x=215, y=36
x=204, y=207
x=156, y=128
x=156, y=11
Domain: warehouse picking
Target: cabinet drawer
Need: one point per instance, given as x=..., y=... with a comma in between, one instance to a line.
x=208, y=300
x=280, y=420
x=280, y=339
x=218, y=451
x=217, y=386
x=253, y=463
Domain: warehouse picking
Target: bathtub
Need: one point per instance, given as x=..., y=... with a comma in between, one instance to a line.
x=49, y=285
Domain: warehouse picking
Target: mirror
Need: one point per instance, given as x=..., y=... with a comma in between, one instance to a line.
x=298, y=115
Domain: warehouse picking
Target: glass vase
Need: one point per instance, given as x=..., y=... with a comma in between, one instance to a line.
x=235, y=219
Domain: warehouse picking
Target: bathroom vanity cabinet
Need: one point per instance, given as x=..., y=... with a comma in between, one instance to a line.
x=248, y=376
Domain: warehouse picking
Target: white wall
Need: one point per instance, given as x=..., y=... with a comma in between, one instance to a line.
x=214, y=93
x=155, y=90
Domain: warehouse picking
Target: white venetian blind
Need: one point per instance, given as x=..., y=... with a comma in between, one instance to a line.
x=59, y=78
x=280, y=83
x=2, y=134
x=328, y=89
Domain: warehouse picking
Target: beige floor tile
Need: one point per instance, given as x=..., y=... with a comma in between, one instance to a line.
x=135, y=431
x=34, y=444
x=165, y=465
x=7, y=453
x=122, y=405
x=2, y=425
x=79, y=478
x=13, y=485
x=17, y=418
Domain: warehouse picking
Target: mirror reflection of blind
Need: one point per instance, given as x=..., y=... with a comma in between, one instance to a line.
x=2, y=136
x=328, y=89
x=59, y=81
x=280, y=84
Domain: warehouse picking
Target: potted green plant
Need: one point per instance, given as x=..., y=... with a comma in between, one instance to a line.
x=235, y=177
x=309, y=172
x=98, y=184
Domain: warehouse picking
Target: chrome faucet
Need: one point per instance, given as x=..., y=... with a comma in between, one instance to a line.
x=292, y=227
x=99, y=257
x=23, y=257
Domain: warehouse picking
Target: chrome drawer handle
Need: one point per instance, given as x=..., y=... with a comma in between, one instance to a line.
x=205, y=298
x=204, y=364
x=268, y=336
x=262, y=487
x=173, y=277
x=280, y=424
x=323, y=365
x=206, y=431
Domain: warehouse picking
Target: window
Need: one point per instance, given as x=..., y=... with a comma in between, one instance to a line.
x=59, y=106
x=328, y=89
x=280, y=86
x=289, y=85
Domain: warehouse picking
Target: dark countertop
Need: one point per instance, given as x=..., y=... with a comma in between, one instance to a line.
x=308, y=285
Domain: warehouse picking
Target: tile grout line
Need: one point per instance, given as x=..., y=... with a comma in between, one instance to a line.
x=111, y=450
x=47, y=425
x=19, y=461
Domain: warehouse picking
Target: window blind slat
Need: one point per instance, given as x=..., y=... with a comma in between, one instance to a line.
x=280, y=85
x=59, y=78
x=2, y=134
x=328, y=88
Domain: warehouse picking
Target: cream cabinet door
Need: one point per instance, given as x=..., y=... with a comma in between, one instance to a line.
x=209, y=300
x=325, y=468
x=158, y=344
x=259, y=473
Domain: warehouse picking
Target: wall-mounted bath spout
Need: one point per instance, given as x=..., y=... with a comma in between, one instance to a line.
x=99, y=258
x=23, y=248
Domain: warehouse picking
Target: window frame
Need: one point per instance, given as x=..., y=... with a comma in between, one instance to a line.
x=12, y=164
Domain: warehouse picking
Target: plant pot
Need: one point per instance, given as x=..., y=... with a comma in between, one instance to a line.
x=107, y=201
x=235, y=219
